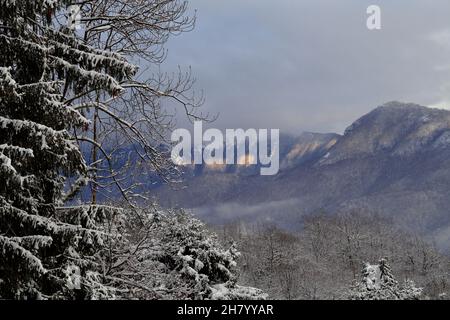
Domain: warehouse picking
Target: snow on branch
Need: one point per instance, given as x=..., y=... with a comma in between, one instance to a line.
x=20, y=255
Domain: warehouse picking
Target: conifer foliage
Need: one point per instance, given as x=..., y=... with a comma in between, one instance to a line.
x=378, y=283
x=44, y=252
x=171, y=255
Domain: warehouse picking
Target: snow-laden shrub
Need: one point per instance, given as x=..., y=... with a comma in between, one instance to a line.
x=174, y=256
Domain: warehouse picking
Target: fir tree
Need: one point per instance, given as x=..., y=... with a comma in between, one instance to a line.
x=378, y=283
x=46, y=252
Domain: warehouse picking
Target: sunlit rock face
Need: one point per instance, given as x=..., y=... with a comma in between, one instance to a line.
x=309, y=147
x=247, y=160
x=215, y=166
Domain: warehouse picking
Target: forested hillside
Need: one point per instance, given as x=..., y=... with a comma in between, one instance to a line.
x=327, y=258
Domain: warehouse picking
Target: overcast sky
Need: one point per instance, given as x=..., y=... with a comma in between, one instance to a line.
x=312, y=65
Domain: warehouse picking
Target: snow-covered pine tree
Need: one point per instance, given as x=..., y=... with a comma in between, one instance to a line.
x=378, y=283
x=171, y=255
x=45, y=252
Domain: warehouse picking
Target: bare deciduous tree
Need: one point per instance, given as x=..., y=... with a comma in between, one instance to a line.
x=129, y=128
x=322, y=259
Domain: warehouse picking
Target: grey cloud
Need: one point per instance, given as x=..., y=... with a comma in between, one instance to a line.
x=313, y=65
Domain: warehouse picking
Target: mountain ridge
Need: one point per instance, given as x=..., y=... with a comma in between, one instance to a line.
x=392, y=161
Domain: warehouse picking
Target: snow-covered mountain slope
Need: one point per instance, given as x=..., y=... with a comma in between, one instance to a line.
x=393, y=161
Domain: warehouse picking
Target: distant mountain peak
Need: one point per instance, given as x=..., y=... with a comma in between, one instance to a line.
x=399, y=104
x=393, y=128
